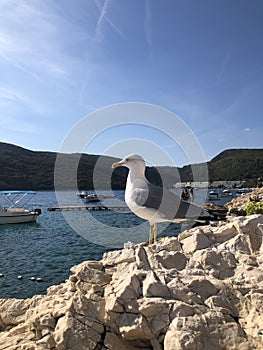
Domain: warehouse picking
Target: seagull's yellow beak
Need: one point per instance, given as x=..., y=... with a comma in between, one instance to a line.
x=117, y=164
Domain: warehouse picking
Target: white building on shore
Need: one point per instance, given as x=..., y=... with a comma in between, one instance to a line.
x=214, y=184
x=193, y=184
x=227, y=184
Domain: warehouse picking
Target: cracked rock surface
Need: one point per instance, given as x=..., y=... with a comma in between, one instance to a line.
x=201, y=290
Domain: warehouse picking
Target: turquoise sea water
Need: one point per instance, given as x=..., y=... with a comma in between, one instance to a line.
x=48, y=248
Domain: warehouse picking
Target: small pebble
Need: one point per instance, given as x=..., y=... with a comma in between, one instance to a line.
x=39, y=279
x=20, y=277
x=2, y=275
x=32, y=278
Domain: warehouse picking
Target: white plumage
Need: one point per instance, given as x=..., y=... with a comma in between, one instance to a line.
x=153, y=203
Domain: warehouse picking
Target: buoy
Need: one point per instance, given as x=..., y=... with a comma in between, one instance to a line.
x=20, y=277
x=32, y=278
x=39, y=279
x=2, y=275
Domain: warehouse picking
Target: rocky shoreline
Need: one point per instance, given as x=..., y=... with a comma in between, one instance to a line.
x=202, y=290
x=238, y=205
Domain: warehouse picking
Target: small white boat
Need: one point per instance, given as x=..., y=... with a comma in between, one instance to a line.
x=15, y=213
x=226, y=193
x=242, y=192
x=213, y=196
x=82, y=194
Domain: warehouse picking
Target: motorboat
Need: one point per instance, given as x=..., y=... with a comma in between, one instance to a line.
x=242, y=192
x=226, y=193
x=14, y=212
x=213, y=196
x=82, y=194
x=92, y=197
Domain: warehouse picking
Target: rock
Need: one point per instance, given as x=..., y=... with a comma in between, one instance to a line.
x=112, y=342
x=118, y=256
x=75, y=335
x=12, y=311
x=170, y=244
x=222, y=303
x=141, y=259
x=91, y=272
x=240, y=243
x=156, y=311
x=238, y=205
x=224, y=233
x=200, y=291
x=172, y=260
x=203, y=287
x=154, y=288
x=134, y=326
x=220, y=262
x=195, y=242
x=204, y=332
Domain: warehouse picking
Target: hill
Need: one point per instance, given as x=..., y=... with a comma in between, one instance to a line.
x=232, y=165
x=25, y=169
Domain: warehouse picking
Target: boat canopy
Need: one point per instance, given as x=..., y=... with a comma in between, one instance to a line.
x=17, y=192
x=16, y=198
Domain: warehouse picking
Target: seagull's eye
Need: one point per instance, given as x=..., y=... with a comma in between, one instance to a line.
x=127, y=159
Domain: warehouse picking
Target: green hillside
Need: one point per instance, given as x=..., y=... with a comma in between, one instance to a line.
x=237, y=164
x=231, y=165
x=25, y=169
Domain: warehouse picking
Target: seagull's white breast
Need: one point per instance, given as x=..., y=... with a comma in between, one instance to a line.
x=136, y=194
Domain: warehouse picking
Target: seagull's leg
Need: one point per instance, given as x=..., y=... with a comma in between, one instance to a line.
x=155, y=233
x=150, y=234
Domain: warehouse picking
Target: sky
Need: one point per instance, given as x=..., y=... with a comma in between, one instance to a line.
x=63, y=61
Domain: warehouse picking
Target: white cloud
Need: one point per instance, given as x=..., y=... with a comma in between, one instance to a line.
x=14, y=100
x=10, y=96
x=32, y=39
x=247, y=129
x=104, y=18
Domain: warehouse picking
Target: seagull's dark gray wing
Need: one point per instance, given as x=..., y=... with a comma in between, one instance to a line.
x=168, y=204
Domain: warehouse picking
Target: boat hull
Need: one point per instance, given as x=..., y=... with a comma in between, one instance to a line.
x=18, y=218
x=91, y=198
x=211, y=198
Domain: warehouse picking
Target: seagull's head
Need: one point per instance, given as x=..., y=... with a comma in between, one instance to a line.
x=132, y=161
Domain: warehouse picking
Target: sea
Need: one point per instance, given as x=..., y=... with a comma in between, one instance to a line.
x=42, y=253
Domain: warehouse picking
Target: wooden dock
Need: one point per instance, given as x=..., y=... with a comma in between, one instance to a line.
x=87, y=207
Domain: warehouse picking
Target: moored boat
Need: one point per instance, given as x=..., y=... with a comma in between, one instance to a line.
x=15, y=213
x=92, y=197
x=226, y=193
x=213, y=195
x=82, y=194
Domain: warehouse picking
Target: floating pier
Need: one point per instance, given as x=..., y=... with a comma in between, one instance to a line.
x=87, y=207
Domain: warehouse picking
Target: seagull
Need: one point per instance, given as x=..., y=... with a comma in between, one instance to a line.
x=154, y=203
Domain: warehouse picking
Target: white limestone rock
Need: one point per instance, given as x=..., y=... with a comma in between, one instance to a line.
x=195, y=242
x=172, y=260
x=200, y=291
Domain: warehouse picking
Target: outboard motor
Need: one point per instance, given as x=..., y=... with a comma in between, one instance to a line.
x=38, y=211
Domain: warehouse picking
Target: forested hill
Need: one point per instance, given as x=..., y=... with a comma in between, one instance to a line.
x=34, y=170
x=233, y=165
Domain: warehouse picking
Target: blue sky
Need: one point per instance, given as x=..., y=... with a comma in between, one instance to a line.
x=62, y=60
